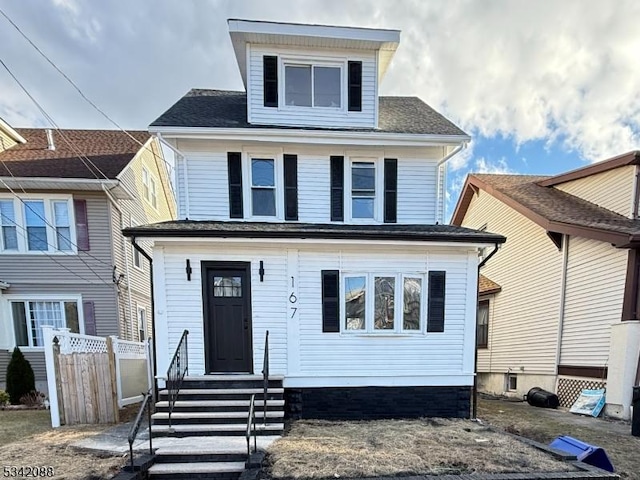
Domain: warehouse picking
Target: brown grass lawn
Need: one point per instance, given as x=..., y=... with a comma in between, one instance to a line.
x=544, y=425
x=321, y=449
x=27, y=440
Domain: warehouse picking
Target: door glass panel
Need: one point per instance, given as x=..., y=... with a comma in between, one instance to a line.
x=227, y=286
x=384, y=303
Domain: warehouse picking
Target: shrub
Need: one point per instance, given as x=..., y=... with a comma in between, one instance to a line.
x=32, y=399
x=4, y=398
x=20, y=378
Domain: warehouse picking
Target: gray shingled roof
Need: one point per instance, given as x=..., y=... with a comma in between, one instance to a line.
x=228, y=109
x=426, y=233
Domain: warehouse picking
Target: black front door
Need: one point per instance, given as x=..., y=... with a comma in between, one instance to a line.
x=227, y=317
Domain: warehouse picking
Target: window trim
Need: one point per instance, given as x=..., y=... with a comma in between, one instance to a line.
x=511, y=375
x=378, y=201
x=398, y=300
x=21, y=227
x=303, y=61
x=482, y=303
x=247, y=183
x=150, y=180
x=8, y=299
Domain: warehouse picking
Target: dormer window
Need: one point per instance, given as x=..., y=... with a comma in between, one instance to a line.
x=308, y=85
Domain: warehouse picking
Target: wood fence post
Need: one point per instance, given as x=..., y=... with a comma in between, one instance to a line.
x=56, y=366
x=114, y=380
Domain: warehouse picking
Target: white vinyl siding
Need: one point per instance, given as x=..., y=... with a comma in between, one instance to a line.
x=524, y=325
x=310, y=116
x=298, y=347
x=612, y=190
x=203, y=190
x=596, y=274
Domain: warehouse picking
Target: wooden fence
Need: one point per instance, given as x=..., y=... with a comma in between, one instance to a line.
x=85, y=376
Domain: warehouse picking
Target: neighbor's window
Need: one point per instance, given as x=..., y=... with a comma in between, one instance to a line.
x=363, y=189
x=142, y=323
x=9, y=238
x=312, y=86
x=391, y=297
x=149, y=188
x=36, y=225
x=482, y=328
x=263, y=187
x=30, y=316
x=62, y=225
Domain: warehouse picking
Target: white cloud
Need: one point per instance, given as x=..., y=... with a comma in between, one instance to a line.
x=482, y=165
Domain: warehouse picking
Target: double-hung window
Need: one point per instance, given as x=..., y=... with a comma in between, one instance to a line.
x=482, y=328
x=308, y=85
x=383, y=303
x=149, y=188
x=30, y=316
x=36, y=224
x=263, y=187
x=9, y=234
x=363, y=190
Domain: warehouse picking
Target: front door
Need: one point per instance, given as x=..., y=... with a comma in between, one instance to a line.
x=227, y=317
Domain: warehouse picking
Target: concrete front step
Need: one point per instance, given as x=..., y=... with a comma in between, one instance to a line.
x=162, y=418
x=231, y=429
x=218, y=405
x=199, y=456
x=201, y=470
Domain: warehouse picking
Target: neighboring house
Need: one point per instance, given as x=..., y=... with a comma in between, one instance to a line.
x=63, y=259
x=312, y=208
x=561, y=312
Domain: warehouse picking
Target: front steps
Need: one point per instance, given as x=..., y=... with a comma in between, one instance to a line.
x=206, y=438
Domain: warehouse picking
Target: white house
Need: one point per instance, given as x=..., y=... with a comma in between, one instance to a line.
x=312, y=208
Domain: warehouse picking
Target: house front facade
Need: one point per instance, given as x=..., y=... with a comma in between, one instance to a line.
x=311, y=208
x=65, y=195
x=559, y=309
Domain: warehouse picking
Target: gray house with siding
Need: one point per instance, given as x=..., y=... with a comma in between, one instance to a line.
x=65, y=195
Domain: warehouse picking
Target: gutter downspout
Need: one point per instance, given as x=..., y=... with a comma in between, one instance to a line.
x=153, y=314
x=474, y=413
x=563, y=296
x=454, y=152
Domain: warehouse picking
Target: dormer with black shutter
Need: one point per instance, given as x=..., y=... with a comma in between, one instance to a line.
x=312, y=75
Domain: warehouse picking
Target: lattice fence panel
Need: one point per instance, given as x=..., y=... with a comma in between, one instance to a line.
x=569, y=388
x=75, y=343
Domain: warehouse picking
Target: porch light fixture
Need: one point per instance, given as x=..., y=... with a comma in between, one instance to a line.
x=188, y=270
x=261, y=271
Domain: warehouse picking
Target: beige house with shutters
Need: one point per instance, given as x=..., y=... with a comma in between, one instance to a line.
x=559, y=303
x=65, y=195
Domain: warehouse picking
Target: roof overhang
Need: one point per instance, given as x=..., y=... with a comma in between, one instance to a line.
x=474, y=184
x=629, y=158
x=308, y=136
x=5, y=127
x=243, y=32
x=117, y=189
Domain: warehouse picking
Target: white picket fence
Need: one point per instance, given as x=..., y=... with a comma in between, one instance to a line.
x=89, y=377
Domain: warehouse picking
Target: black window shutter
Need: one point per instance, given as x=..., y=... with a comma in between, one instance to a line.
x=355, y=86
x=390, y=190
x=337, y=189
x=435, y=309
x=270, y=80
x=234, y=163
x=330, y=301
x=290, y=187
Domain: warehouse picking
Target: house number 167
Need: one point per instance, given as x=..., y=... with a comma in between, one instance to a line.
x=293, y=299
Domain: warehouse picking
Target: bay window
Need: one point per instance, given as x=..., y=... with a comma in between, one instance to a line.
x=30, y=316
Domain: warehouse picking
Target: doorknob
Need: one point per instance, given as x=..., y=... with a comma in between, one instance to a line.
x=246, y=324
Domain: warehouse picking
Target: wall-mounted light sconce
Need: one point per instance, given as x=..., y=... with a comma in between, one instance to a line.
x=188, y=270
x=261, y=271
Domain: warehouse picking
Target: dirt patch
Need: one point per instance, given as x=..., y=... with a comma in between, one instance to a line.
x=543, y=425
x=29, y=441
x=321, y=449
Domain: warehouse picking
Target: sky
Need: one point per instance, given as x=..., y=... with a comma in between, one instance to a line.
x=541, y=86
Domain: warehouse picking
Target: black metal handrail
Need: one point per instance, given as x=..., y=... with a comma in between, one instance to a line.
x=251, y=427
x=178, y=368
x=265, y=376
x=133, y=433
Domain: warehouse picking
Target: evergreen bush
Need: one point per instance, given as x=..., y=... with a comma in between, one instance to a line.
x=20, y=377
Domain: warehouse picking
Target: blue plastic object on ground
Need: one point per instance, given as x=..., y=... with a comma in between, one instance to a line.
x=585, y=452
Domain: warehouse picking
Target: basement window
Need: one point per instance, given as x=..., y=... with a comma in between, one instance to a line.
x=512, y=382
